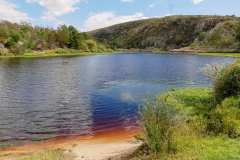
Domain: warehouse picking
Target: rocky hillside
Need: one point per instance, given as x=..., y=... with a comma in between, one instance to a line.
x=211, y=33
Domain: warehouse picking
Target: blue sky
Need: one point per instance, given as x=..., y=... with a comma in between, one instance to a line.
x=93, y=14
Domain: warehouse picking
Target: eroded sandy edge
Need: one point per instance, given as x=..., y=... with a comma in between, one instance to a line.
x=115, y=144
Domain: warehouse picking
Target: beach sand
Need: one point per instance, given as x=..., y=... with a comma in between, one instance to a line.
x=103, y=146
x=103, y=150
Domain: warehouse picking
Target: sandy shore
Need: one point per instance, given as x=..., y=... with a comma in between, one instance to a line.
x=102, y=150
x=104, y=146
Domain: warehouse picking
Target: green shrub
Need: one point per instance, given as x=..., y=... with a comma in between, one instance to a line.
x=225, y=119
x=198, y=130
x=231, y=102
x=17, y=49
x=202, y=36
x=227, y=83
x=83, y=46
x=19, y=38
x=61, y=51
x=230, y=111
x=214, y=124
x=91, y=45
x=4, y=51
x=223, y=36
x=159, y=122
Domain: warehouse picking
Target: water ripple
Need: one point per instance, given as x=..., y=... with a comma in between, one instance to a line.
x=42, y=98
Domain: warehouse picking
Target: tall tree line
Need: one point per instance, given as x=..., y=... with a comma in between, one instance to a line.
x=17, y=38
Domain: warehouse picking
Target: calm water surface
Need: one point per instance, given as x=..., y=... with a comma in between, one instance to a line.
x=45, y=98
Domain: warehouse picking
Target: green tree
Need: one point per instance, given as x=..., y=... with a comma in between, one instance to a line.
x=52, y=39
x=73, y=38
x=238, y=34
x=227, y=83
x=63, y=36
x=17, y=38
x=3, y=34
x=13, y=39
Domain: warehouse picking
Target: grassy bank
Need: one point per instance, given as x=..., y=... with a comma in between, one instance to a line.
x=221, y=54
x=72, y=52
x=57, y=53
x=195, y=131
x=201, y=53
x=195, y=123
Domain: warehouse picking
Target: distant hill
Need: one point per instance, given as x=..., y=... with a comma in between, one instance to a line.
x=199, y=33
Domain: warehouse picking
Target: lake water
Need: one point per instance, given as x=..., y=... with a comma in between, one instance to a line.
x=46, y=98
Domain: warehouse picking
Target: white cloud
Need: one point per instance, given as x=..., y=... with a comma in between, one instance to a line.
x=9, y=11
x=56, y=8
x=104, y=19
x=197, y=1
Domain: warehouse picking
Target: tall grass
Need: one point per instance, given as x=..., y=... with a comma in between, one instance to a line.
x=159, y=121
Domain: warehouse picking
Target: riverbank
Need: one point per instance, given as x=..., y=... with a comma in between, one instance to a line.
x=207, y=52
x=56, y=53
x=190, y=139
x=73, y=53
x=221, y=54
x=116, y=144
x=181, y=51
x=201, y=131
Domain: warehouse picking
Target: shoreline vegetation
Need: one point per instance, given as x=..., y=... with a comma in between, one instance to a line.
x=59, y=52
x=27, y=41
x=175, y=33
x=191, y=127
x=201, y=35
x=195, y=123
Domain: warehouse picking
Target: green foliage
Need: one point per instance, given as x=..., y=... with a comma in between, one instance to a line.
x=202, y=36
x=211, y=33
x=224, y=36
x=159, y=121
x=63, y=36
x=227, y=83
x=207, y=148
x=238, y=34
x=73, y=38
x=205, y=132
x=3, y=52
x=3, y=34
x=17, y=48
x=229, y=110
x=91, y=45
x=18, y=38
x=214, y=124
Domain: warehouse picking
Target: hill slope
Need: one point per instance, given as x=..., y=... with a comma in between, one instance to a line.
x=175, y=32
